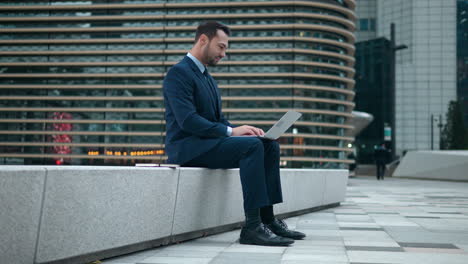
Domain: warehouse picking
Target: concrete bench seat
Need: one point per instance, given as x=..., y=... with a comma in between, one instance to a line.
x=445, y=165
x=76, y=214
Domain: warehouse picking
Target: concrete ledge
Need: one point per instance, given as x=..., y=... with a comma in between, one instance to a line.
x=77, y=214
x=206, y=199
x=302, y=189
x=21, y=193
x=434, y=165
x=104, y=208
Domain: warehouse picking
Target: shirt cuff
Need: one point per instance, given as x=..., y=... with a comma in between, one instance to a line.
x=229, y=131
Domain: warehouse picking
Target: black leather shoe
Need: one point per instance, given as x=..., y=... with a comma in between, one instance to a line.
x=280, y=228
x=262, y=236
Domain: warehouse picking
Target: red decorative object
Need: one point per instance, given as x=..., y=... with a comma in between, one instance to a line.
x=61, y=138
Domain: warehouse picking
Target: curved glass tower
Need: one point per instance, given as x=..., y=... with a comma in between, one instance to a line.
x=80, y=81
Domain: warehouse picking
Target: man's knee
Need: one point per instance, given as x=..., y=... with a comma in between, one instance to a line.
x=251, y=144
x=271, y=146
x=256, y=143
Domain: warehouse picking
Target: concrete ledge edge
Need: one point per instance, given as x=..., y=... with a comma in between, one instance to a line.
x=110, y=253
x=103, y=212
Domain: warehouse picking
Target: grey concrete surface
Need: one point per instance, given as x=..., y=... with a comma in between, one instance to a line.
x=207, y=198
x=395, y=221
x=72, y=214
x=335, y=183
x=21, y=192
x=88, y=209
x=441, y=165
x=303, y=189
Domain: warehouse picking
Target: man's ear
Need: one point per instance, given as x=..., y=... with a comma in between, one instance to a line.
x=203, y=39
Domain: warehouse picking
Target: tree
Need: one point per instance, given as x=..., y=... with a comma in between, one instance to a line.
x=454, y=134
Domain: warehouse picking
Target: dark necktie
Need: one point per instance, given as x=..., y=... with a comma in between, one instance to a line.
x=213, y=91
x=208, y=78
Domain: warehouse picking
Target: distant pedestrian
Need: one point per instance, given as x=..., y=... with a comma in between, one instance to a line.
x=352, y=166
x=380, y=157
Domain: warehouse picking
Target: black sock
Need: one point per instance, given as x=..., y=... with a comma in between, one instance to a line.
x=266, y=213
x=252, y=218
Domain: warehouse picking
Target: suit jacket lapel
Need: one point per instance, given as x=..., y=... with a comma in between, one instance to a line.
x=209, y=85
x=216, y=94
x=195, y=69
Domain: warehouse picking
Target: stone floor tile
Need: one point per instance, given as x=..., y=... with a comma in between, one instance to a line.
x=436, y=250
x=367, y=243
x=246, y=258
x=319, y=250
x=353, y=224
x=228, y=237
x=323, y=239
x=428, y=245
x=362, y=228
x=358, y=235
x=313, y=226
x=318, y=221
x=255, y=249
x=464, y=247
x=175, y=260
x=369, y=263
x=186, y=253
x=314, y=243
x=354, y=218
x=393, y=220
x=320, y=214
x=322, y=233
x=132, y=258
x=397, y=221
x=317, y=257
x=374, y=248
x=430, y=237
x=194, y=247
x=349, y=211
x=405, y=257
x=308, y=262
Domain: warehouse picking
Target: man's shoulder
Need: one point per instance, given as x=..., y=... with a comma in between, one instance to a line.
x=181, y=72
x=182, y=66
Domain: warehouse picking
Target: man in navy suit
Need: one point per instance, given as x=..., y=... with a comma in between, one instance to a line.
x=198, y=135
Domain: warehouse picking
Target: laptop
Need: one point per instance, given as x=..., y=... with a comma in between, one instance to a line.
x=285, y=122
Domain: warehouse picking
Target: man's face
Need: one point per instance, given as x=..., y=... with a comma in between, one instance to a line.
x=215, y=49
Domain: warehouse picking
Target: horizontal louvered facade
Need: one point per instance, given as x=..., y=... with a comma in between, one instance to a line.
x=80, y=81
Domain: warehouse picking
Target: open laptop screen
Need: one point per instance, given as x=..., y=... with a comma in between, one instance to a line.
x=278, y=129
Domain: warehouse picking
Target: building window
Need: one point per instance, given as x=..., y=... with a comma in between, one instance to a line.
x=364, y=24
x=367, y=24
x=372, y=24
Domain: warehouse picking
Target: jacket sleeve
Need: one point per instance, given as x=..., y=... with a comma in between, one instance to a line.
x=223, y=119
x=225, y=122
x=178, y=90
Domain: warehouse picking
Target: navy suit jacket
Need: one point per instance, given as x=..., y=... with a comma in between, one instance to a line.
x=194, y=121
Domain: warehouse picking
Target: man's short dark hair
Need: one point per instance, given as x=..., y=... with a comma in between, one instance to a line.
x=210, y=29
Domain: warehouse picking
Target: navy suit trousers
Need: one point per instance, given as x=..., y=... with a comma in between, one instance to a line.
x=258, y=161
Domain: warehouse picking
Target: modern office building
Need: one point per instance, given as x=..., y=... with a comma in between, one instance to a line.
x=366, y=12
x=425, y=71
x=80, y=81
x=373, y=94
x=462, y=56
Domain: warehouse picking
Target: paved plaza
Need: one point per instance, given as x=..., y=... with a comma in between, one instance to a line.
x=392, y=221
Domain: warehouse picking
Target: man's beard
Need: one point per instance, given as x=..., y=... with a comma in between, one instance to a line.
x=210, y=61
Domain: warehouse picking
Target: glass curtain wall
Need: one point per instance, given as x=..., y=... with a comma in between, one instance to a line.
x=80, y=81
x=462, y=57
